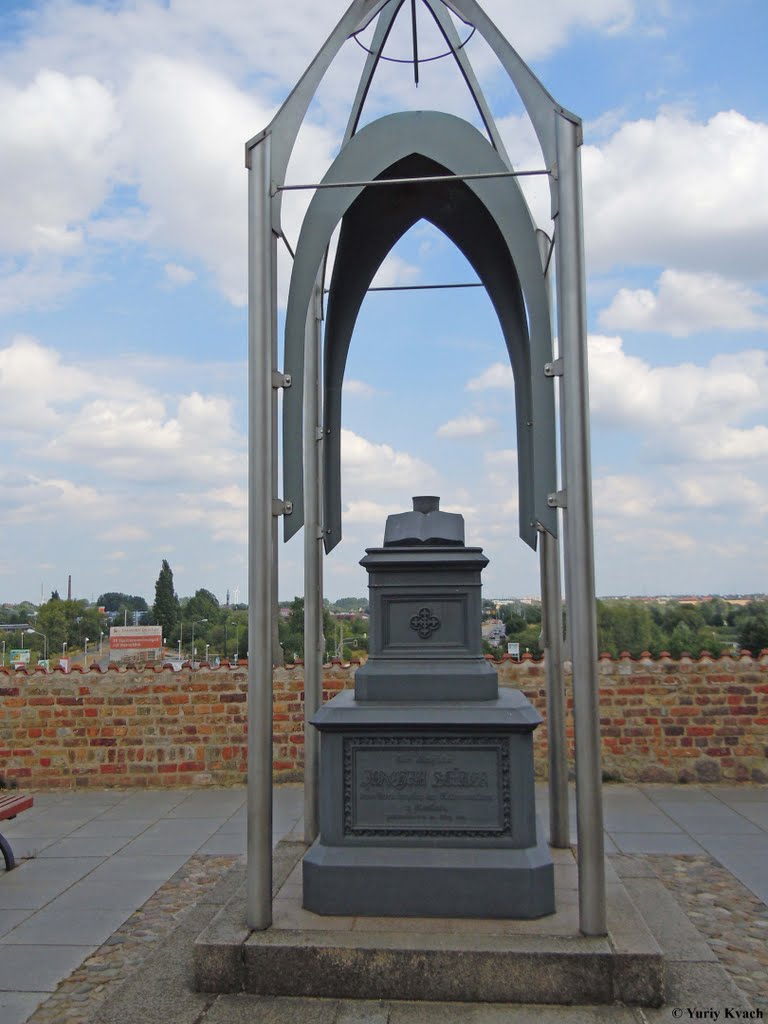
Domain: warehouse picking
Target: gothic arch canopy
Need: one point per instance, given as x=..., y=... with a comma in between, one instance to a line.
x=510, y=268
x=371, y=226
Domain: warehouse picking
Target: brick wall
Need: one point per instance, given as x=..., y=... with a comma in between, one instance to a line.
x=663, y=720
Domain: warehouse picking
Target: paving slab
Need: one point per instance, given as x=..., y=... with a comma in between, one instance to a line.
x=130, y=894
x=716, y=819
x=745, y=857
x=30, y=897
x=130, y=827
x=65, y=926
x=27, y=847
x=43, y=966
x=10, y=918
x=16, y=1007
x=66, y=871
x=757, y=813
x=84, y=846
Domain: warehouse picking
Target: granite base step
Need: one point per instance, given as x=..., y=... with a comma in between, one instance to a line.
x=434, y=959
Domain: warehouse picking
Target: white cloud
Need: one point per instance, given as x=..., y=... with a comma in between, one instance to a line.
x=623, y=496
x=178, y=275
x=144, y=442
x=58, y=136
x=677, y=192
x=379, y=465
x=467, y=426
x=359, y=388
x=185, y=126
x=395, y=271
x=677, y=404
x=537, y=31
x=34, y=499
x=685, y=304
x=35, y=384
x=498, y=375
x=370, y=513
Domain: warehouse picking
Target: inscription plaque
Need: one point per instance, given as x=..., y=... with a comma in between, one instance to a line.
x=426, y=786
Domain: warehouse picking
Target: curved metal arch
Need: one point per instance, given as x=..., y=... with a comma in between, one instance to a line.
x=456, y=145
x=284, y=127
x=371, y=226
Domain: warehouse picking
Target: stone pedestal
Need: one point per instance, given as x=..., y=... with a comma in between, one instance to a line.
x=427, y=809
x=426, y=770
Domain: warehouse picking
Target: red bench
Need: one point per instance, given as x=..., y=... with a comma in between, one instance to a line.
x=10, y=806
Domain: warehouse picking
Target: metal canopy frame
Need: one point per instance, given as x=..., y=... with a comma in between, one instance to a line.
x=450, y=155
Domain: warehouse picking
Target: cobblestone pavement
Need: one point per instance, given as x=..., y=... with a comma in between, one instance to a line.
x=732, y=920
x=726, y=914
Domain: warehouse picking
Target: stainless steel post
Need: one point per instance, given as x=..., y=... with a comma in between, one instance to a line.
x=580, y=569
x=552, y=639
x=313, y=566
x=261, y=553
x=557, y=751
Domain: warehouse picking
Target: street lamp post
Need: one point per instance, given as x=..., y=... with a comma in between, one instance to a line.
x=3, y=665
x=45, y=641
x=237, y=640
x=85, y=652
x=206, y=651
x=195, y=623
x=226, y=639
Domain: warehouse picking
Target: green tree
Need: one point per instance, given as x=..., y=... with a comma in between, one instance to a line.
x=68, y=622
x=204, y=605
x=165, y=610
x=753, y=627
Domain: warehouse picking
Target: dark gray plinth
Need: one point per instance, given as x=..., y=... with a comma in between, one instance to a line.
x=427, y=809
x=405, y=882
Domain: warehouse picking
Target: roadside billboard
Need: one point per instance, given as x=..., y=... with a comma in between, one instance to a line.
x=20, y=657
x=135, y=638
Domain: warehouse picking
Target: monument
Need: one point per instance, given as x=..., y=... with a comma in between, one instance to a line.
x=392, y=170
x=426, y=769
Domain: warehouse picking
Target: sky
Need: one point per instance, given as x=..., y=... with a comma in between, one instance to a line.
x=123, y=319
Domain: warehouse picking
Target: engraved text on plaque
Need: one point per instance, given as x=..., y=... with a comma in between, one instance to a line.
x=426, y=786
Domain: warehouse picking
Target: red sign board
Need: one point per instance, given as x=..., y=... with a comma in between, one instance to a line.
x=135, y=638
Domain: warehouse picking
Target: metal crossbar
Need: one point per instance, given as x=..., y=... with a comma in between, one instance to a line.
x=426, y=180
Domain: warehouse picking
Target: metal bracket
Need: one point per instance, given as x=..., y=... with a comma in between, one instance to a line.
x=554, y=369
x=319, y=433
x=558, y=499
x=281, y=380
x=281, y=508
